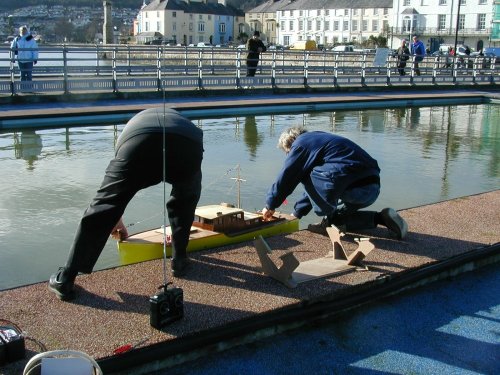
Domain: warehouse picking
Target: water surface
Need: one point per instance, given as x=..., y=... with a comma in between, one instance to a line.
x=426, y=155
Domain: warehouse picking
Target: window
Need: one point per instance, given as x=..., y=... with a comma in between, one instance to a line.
x=146, y=26
x=318, y=12
x=282, y=25
x=222, y=27
x=346, y=12
x=441, y=21
x=201, y=27
x=442, y=2
x=291, y=25
x=406, y=3
x=318, y=25
x=482, y=2
x=327, y=25
x=375, y=25
x=191, y=16
x=209, y=17
x=174, y=14
x=385, y=26
x=461, y=22
x=301, y=13
x=346, y=26
x=200, y=17
x=386, y=11
x=327, y=12
x=481, y=21
x=301, y=25
x=174, y=26
x=354, y=25
x=365, y=25
x=375, y=11
x=309, y=25
x=190, y=26
x=463, y=2
x=355, y=12
x=291, y=13
x=363, y=12
x=335, y=25
x=158, y=26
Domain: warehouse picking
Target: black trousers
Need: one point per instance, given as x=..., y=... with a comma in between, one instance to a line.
x=252, y=62
x=138, y=164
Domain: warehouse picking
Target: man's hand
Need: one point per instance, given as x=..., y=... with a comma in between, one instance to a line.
x=119, y=232
x=267, y=214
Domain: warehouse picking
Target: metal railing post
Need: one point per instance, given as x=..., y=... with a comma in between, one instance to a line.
x=158, y=68
x=238, y=69
x=435, y=69
x=273, y=71
x=412, y=72
x=12, y=67
x=113, y=70
x=129, y=58
x=336, y=70
x=306, y=65
x=200, y=70
x=65, y=69
x=389, y=66
x=363, y=69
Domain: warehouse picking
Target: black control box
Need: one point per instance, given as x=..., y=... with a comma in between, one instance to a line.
x=12, y=345
x=166, y=307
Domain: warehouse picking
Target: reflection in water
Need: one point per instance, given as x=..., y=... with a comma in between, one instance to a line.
x=426, y=155
x=251, y=136
x=28, y=146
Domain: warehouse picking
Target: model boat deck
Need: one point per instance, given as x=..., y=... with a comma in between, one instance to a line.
x=213, y=226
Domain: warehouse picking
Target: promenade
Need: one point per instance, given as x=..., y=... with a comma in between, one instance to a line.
x=228, y=300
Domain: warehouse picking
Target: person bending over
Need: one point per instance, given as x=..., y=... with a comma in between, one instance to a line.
x=138, y=164
x=339, y=179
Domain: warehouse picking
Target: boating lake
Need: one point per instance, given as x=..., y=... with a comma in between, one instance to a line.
x=49, y=176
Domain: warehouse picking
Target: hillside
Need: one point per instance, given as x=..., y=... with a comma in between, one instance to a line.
x=14, y=4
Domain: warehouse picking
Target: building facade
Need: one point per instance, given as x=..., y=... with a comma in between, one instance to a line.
x=188, y=22
x=440, y=22
x=327, y=22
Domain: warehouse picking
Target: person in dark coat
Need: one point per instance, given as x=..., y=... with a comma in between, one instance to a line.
x=156, y=145
x=254, y=47
x=339, y=178
x=403, y=55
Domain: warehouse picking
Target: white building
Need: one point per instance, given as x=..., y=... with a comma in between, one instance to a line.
x=187, y=21
x=327, y=22
x=435, y=21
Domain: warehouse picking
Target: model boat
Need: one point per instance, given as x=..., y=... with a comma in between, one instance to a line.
x=213, y=226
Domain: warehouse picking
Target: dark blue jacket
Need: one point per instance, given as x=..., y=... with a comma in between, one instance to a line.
x=337, y=156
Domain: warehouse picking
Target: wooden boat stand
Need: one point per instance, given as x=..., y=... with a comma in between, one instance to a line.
x=292, y=272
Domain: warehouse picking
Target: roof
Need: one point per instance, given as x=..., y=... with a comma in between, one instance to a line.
x=213, y=211
x=409, y=11
x=190, y=7
x=273, y=5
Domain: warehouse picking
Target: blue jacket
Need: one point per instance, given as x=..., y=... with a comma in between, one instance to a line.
x=342, y=159
x=418, y=49
x=26, y=48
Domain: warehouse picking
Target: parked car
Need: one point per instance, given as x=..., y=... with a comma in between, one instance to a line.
x=242, y=46
x=203, y=45
x=343, y=48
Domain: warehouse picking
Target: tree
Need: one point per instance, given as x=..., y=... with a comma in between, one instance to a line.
x=63, y=30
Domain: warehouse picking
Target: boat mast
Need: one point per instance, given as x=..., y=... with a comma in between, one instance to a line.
x=238, y=181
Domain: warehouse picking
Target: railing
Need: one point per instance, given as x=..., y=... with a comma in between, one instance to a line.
x=441, y=31
x=72, y=69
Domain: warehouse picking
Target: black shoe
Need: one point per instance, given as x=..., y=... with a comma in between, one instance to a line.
x=180, y=266
x=320, y=228
x=394, y=222
x=62, y=284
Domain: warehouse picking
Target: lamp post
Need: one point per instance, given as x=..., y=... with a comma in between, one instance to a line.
x=456, y=28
